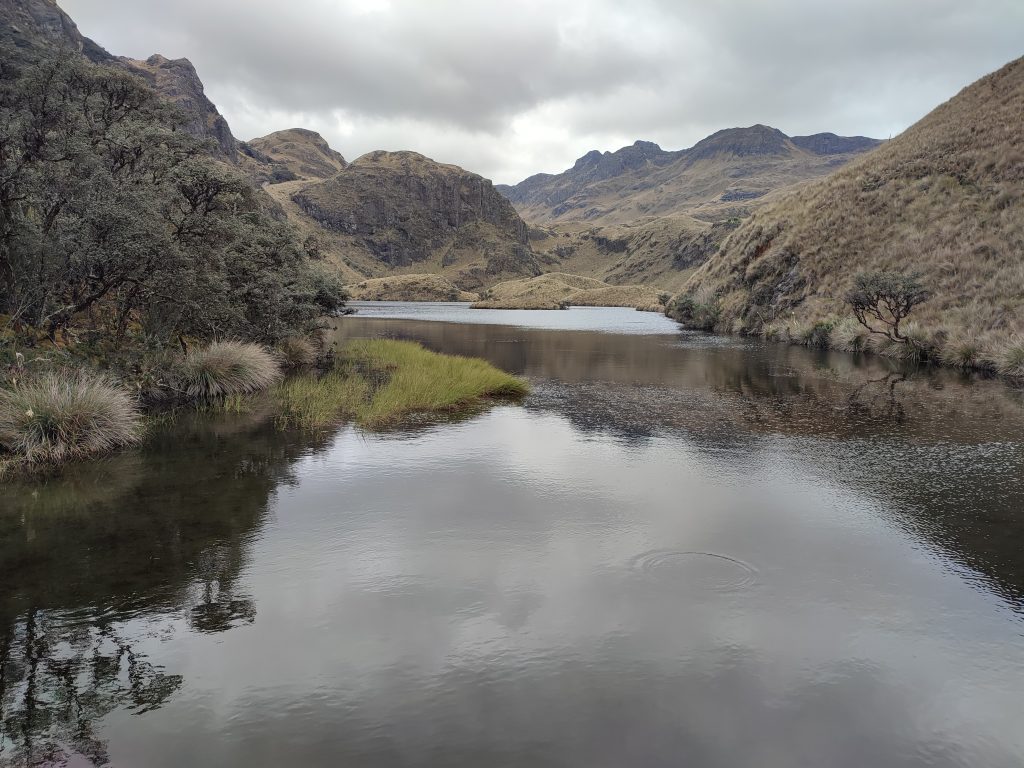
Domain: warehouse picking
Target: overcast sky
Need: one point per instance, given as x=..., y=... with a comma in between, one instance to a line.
x=509, y=88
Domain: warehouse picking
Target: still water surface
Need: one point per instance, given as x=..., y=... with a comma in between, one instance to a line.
x=679, y=550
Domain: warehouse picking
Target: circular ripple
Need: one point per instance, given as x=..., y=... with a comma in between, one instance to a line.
x=705, y=570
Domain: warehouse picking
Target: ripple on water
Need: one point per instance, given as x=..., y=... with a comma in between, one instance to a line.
x=702, y=570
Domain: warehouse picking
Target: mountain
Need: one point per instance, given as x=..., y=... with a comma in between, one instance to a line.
x=944, y=199
x=713, y=180
x=648, y=215
x=384, y=213
x=298, y=153
x=401, y=211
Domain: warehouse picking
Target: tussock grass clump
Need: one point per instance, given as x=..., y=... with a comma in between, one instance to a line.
x=851, y=336
x=67, y=414
x=965, y=353
x=296, y=352
x=228, y=368
x=1011, y=359
x=413, y=379
x=315, y=402
x=815, y=335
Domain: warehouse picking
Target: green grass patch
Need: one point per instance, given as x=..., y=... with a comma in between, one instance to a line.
x=314, y=402
x=377, y=382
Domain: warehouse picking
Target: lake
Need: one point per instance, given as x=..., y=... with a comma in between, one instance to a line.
x=678, y=550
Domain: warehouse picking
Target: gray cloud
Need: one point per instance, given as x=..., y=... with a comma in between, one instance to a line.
x=509, y=89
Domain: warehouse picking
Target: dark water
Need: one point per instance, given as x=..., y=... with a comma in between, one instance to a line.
x=678, y=551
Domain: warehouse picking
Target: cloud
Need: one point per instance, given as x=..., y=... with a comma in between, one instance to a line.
x=511, y=89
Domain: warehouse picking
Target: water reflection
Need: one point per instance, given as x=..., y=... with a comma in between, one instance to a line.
x=88, y=559
x=673, y=551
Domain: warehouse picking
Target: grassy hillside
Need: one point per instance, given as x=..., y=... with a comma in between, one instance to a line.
x=645, y=215
x=944, y=199
x=422, y=287
x=557, y=290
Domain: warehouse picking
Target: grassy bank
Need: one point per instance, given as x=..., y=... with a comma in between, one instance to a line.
x=51, y=416
x=377, y=382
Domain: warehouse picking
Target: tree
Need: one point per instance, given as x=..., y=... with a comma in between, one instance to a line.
x=884, y=299
x=115, y=222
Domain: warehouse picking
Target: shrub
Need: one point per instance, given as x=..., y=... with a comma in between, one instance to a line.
x=693, y=313
x=882, y=300
x=773, y=332
x=67, y=414
x=296, y=352
x=815, y=335
x=1011, y=360
x=228, y=368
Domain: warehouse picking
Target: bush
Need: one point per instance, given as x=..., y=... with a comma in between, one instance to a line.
x=1011, y=360
x=296, y=352
x=67, y=414
x=815, y=335
x=882, y=300
x=693, y=313
x=228, y=368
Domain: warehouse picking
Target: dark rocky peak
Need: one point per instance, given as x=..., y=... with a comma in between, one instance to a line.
x=757, y=140
x=28, y=24
x=831, y=144
x=178, y=82
x=597, y=166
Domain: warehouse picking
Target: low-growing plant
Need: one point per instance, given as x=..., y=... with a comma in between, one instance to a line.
x=1011, y=359
x=67, y=414
x=851, y=336
x=965, y=353
x=816, y=335
x=296, y=353
x=228, y=368
x=694, y=312
x=315, y=402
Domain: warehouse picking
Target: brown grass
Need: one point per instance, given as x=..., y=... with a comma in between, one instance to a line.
x=945, y=198
x=228, y=368
x=557, y=290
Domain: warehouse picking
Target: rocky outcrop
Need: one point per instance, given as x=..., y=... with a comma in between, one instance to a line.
x=298, y=153
x=27, y=24
x=178, y=82
x=407, y=209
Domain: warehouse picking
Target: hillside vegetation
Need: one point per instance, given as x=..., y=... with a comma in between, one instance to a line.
x=422, y=287
x=558, y=290
x=642, y=214
x=944, y=200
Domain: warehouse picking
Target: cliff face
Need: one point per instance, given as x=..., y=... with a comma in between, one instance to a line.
x=297, y=153
x=25, y=24
x=178, y=82
x=406, y=209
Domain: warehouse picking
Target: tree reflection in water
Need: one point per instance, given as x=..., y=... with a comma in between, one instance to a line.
x=90, y=563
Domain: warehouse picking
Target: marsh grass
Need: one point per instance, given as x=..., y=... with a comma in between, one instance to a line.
x=377, y=382
x=296, y=353
x=412, y=379
x=67, y=414
x=226, y=368
x=316, y=402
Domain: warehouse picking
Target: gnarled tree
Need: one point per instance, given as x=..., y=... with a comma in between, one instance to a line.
x=882, y=300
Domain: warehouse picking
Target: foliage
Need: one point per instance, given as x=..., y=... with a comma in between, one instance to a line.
x=66, y=414
x=408, y=378
x=882, y=300
x=296, y=352
x=1011, y=360
x=227, y=368
x=116, y=224
x=694, y=313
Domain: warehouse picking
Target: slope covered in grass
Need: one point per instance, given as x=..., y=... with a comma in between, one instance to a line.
x=944, y=199
x=558, y=290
